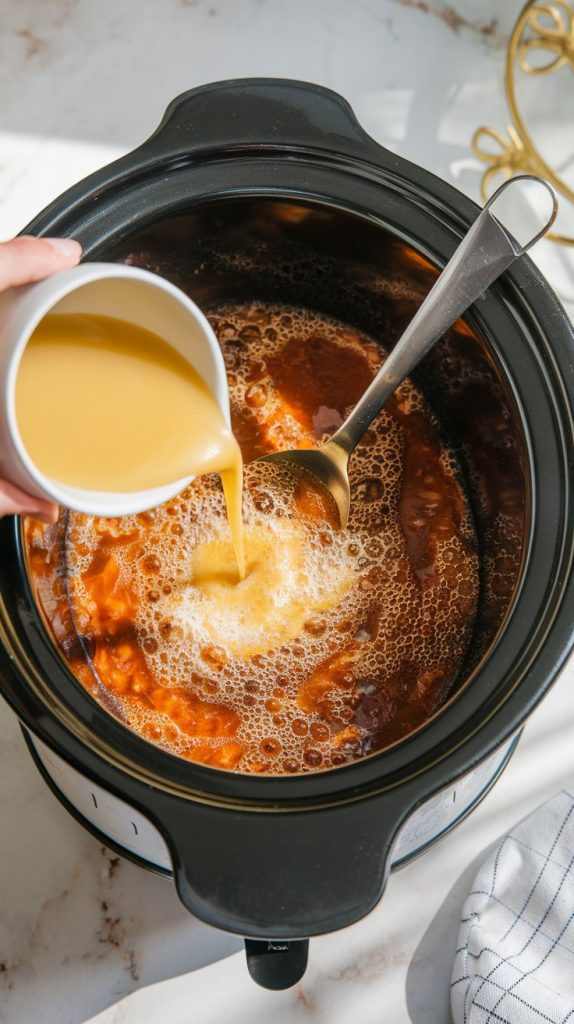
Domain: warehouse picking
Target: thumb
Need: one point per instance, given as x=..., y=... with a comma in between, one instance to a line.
x=27, y=259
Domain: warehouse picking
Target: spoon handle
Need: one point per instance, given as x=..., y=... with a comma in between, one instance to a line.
x=484, y=253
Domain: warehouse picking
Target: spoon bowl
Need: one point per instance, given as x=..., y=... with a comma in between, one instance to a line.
x=328, y=464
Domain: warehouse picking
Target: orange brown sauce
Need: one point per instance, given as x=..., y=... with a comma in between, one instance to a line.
x=361, y=674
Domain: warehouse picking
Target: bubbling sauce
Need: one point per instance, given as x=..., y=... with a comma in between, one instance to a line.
x=336, y=643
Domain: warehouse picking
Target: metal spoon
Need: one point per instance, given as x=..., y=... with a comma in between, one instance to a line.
x=486, y=251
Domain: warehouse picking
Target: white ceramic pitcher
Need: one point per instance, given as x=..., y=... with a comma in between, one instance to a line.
x=115, y=290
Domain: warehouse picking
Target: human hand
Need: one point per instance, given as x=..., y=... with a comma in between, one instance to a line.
x=22, y=261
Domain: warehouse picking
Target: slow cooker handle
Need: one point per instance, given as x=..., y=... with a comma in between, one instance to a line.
x=265, y=113
x=277, y=876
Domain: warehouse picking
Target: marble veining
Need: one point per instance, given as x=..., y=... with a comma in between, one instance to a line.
x=457, y=21
x=83, y=932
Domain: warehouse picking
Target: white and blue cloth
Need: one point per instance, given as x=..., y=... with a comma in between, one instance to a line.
x=515, y=958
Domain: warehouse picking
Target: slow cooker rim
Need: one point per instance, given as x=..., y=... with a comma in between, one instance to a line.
x=321, y=203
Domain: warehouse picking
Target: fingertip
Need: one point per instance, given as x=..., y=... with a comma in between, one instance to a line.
x=26, y=259
x=48, y=516
x=68, y=248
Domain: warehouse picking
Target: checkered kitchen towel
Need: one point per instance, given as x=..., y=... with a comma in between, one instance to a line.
x=515, y=961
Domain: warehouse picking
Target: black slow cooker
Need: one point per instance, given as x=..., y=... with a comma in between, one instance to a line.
x=271, y=189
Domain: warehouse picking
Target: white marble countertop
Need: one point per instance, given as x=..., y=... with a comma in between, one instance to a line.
x=81, y=83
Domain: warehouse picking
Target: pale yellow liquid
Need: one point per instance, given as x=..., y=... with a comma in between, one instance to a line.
x=287, y=583
x=105, y=405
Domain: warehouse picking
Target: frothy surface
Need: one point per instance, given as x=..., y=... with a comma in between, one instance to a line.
x=288, y=579
x=336, y=643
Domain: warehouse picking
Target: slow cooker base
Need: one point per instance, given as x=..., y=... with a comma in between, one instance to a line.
x=435, y=810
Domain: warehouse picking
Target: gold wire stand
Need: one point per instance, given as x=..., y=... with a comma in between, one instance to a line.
x=541, y=27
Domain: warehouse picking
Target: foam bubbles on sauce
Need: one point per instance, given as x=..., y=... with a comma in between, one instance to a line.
x=337, y=643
